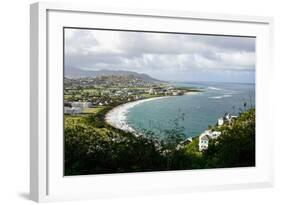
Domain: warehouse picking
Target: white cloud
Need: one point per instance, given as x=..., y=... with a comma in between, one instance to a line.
x=157, y=52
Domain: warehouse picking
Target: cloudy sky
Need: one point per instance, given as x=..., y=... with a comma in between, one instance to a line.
x=175, y=57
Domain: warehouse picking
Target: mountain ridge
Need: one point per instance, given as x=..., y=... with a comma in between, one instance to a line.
x=75, y=73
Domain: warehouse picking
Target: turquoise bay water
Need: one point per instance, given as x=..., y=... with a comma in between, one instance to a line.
x=200, y=109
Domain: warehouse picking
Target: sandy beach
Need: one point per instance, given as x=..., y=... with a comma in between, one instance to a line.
x=192, y=93
x=117, y=117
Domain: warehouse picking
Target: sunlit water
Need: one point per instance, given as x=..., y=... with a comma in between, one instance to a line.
x=199, y=109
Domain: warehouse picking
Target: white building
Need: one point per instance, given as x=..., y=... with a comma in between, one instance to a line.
x=205, y=137
x=220, y=121
x=215, y=134
x=76, y=110
x=67, y=110
x=72, y=110
x=88, y=105
x=82, y=105
x=77, y=104
x=227, y=118
x=203, y=142
x=151, y=91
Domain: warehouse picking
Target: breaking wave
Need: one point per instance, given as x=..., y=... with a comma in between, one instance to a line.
x=213, y=88
x=219, y=97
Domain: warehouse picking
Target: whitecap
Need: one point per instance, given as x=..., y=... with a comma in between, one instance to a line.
x=213, y=88
x=219, y=97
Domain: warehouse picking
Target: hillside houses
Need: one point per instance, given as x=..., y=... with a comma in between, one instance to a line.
x=227, y=119
x=208, y=135
x=205, y=137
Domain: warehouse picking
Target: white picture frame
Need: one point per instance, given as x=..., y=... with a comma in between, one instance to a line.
x=47, y=182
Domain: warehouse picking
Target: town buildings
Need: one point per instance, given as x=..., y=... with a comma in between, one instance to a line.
x=74, y=108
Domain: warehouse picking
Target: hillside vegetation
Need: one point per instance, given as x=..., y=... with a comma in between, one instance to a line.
x=94, y=147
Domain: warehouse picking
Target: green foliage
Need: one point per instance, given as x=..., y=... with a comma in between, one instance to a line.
x=236, y=145
x=175, y=135
x=88, y=151
x=94, y=147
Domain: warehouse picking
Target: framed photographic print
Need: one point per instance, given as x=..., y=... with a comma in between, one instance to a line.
x=127, y=102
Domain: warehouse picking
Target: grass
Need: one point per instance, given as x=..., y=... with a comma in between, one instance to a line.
x=72, y=119
x=150, y=96
x=79, y=118
x=94, y=110
x=91, y=90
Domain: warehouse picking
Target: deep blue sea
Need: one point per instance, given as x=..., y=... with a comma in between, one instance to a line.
x=199, y=109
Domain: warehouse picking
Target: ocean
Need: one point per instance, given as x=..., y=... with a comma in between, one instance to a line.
x=193, y=112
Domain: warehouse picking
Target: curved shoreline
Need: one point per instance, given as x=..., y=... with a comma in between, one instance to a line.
x=117, y=117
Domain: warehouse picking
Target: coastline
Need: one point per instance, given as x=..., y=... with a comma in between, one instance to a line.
x=192, y=93
x=117, y=117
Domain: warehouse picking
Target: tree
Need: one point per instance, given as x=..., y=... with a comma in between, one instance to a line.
x=236, y=145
